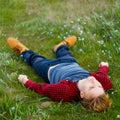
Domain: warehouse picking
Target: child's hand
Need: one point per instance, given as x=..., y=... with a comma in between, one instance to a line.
x=103, y=64
x=22, y=79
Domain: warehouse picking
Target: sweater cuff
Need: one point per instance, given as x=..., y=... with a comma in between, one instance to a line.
x=28, y=83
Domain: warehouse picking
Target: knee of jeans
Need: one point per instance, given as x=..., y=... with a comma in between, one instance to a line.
x=62, y=48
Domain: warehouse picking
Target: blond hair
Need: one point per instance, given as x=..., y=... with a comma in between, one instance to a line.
x=97, y=104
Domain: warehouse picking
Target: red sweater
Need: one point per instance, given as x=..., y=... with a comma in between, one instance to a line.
x=66, y=90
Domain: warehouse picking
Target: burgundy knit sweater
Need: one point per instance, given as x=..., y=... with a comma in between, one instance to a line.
x=67, y=90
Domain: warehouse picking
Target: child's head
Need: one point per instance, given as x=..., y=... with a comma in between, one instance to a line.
x=97, y=104
x=90, y=87
x=93, y=94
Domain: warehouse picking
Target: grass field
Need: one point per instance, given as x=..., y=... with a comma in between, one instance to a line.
x=40, y=24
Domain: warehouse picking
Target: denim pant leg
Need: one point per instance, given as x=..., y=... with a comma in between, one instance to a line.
x=39, y=63
x=64, y=53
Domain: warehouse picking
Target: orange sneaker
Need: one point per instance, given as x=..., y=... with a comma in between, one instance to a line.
x=70, y=41
x=16, y=45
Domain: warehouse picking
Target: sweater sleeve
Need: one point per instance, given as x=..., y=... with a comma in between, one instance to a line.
x=103, y=70
x=61, y=91
x=102, y=76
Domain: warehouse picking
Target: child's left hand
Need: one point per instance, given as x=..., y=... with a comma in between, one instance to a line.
x=22, y=79
x=103, y=64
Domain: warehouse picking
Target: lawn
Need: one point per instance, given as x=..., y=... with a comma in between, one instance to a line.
x=40, y=24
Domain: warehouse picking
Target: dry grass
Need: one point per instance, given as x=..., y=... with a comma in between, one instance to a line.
x=67, y=9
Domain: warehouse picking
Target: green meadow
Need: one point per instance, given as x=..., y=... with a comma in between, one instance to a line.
x=41, y=24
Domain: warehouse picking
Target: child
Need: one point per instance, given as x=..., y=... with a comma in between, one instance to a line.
x=65, y=79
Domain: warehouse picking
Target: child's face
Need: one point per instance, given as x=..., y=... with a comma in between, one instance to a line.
x=91, y=88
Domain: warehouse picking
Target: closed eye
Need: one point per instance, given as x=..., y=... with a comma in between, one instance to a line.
x=100, y=86
x=94, y=87
x=91, y=88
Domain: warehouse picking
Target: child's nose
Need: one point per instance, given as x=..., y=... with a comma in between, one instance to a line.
x=92, y=79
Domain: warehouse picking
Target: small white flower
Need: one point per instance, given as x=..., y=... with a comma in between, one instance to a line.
x=104, y=36
x=101, y=42
x=94, y=35
x=72, y=22
x=65, y=26
x=58, y=36
x=81, y=32
x=73, y=27
x=13, y=108
x=81, y=50
x=118, y=116
x=88, y=32
x=116, y=31
x=114, y=45
x=64, y=37
x=112, y=92
x=97, y=54
x=66, y=33
x=78, y=28
x=83, y=39
x=50, y=32
x=103, y=51
x=78, y=20
x=110, y=37
x=79, y=39
x=88, y=65
x=110, y=57
x=84, y=23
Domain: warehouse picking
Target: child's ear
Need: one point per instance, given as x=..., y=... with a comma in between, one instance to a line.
x=81, y=94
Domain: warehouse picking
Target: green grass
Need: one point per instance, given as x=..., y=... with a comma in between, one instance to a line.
x=40, y=24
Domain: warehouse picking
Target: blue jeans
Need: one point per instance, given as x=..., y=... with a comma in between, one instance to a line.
x=41, y=64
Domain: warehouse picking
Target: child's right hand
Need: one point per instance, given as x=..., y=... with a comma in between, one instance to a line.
x=22, y=79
